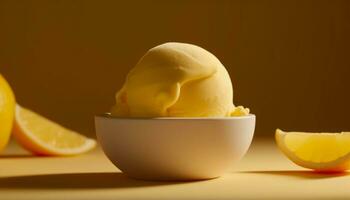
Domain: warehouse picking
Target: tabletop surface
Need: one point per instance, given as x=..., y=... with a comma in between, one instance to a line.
x=264, y=173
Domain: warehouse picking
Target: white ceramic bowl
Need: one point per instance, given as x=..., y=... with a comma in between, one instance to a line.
x=174, y=148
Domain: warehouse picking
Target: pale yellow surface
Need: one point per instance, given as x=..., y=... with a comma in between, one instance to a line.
x=263, y=174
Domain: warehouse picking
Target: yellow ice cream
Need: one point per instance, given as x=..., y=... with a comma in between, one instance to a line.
x=177, y=80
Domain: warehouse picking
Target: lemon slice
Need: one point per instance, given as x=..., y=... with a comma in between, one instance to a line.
x=44, y=137
x=318, y=151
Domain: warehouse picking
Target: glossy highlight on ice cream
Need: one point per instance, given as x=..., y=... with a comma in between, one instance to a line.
x=177, y=80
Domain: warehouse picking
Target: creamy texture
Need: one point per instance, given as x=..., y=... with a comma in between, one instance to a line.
x=177, y=80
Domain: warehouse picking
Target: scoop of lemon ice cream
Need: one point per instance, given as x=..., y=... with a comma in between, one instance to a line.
x=177, y=80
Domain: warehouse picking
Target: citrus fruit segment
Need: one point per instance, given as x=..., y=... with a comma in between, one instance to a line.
x=318, y=151
x=44, y=137
x=7, y=110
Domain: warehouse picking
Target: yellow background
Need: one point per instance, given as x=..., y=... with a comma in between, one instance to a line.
x=289, y=60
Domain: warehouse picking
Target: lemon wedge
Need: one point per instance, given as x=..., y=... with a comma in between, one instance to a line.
x=318, y=151
x=44, y=137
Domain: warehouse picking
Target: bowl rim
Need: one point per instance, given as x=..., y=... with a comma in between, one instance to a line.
x=109, y=116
